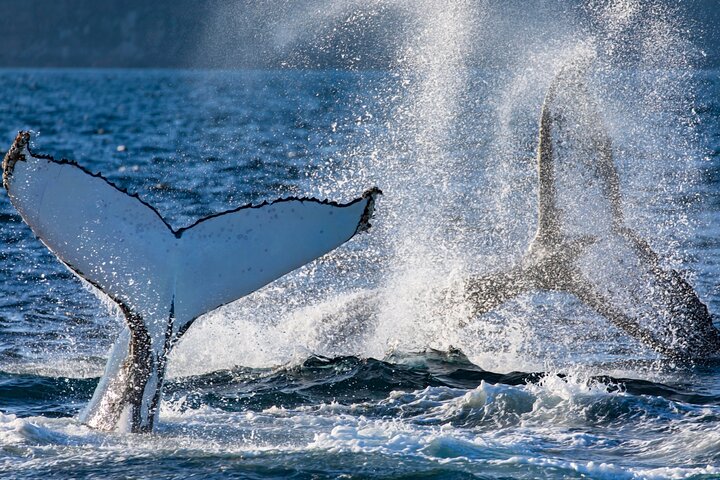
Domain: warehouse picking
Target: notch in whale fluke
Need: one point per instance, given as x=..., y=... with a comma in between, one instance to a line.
x=163, y=278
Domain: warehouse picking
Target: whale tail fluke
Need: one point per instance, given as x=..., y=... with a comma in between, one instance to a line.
x=163, y=278
x=583, y=246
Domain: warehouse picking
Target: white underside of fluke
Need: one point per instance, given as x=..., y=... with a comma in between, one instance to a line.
x=167, y=278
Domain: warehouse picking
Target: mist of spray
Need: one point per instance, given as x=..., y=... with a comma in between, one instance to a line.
x=455, y=156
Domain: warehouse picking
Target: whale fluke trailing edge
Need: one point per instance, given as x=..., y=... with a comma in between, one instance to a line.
x=162, y=278
x=584, y=247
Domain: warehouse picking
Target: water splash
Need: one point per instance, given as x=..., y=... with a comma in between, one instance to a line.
x=452, y=143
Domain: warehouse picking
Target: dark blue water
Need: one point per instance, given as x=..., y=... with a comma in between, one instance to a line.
x=313, y=376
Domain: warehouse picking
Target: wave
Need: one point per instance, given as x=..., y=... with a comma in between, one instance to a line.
x=320, y=380
x=37, y=395
x=435, y=409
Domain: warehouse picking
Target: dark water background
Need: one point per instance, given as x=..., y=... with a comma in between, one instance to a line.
x=195, y=143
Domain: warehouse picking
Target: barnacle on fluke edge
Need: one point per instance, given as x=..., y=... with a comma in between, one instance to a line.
x=14, y=155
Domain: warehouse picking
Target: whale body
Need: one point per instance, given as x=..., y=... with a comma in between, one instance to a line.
x=161, y=278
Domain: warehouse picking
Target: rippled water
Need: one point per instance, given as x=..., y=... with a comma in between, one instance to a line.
x=347, y=367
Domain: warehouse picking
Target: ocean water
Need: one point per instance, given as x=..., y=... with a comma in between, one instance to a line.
x=355, y=366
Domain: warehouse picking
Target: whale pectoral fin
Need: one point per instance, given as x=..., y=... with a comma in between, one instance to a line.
x=604, y=307
x=677, y=297
x=109, y=238
x=487, y=292
x=651, y=303
x=680, y=300
x=678, y=293
x=231, y=255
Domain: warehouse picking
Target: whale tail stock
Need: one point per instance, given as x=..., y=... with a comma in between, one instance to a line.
x=162, y=278
x=584, y=247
